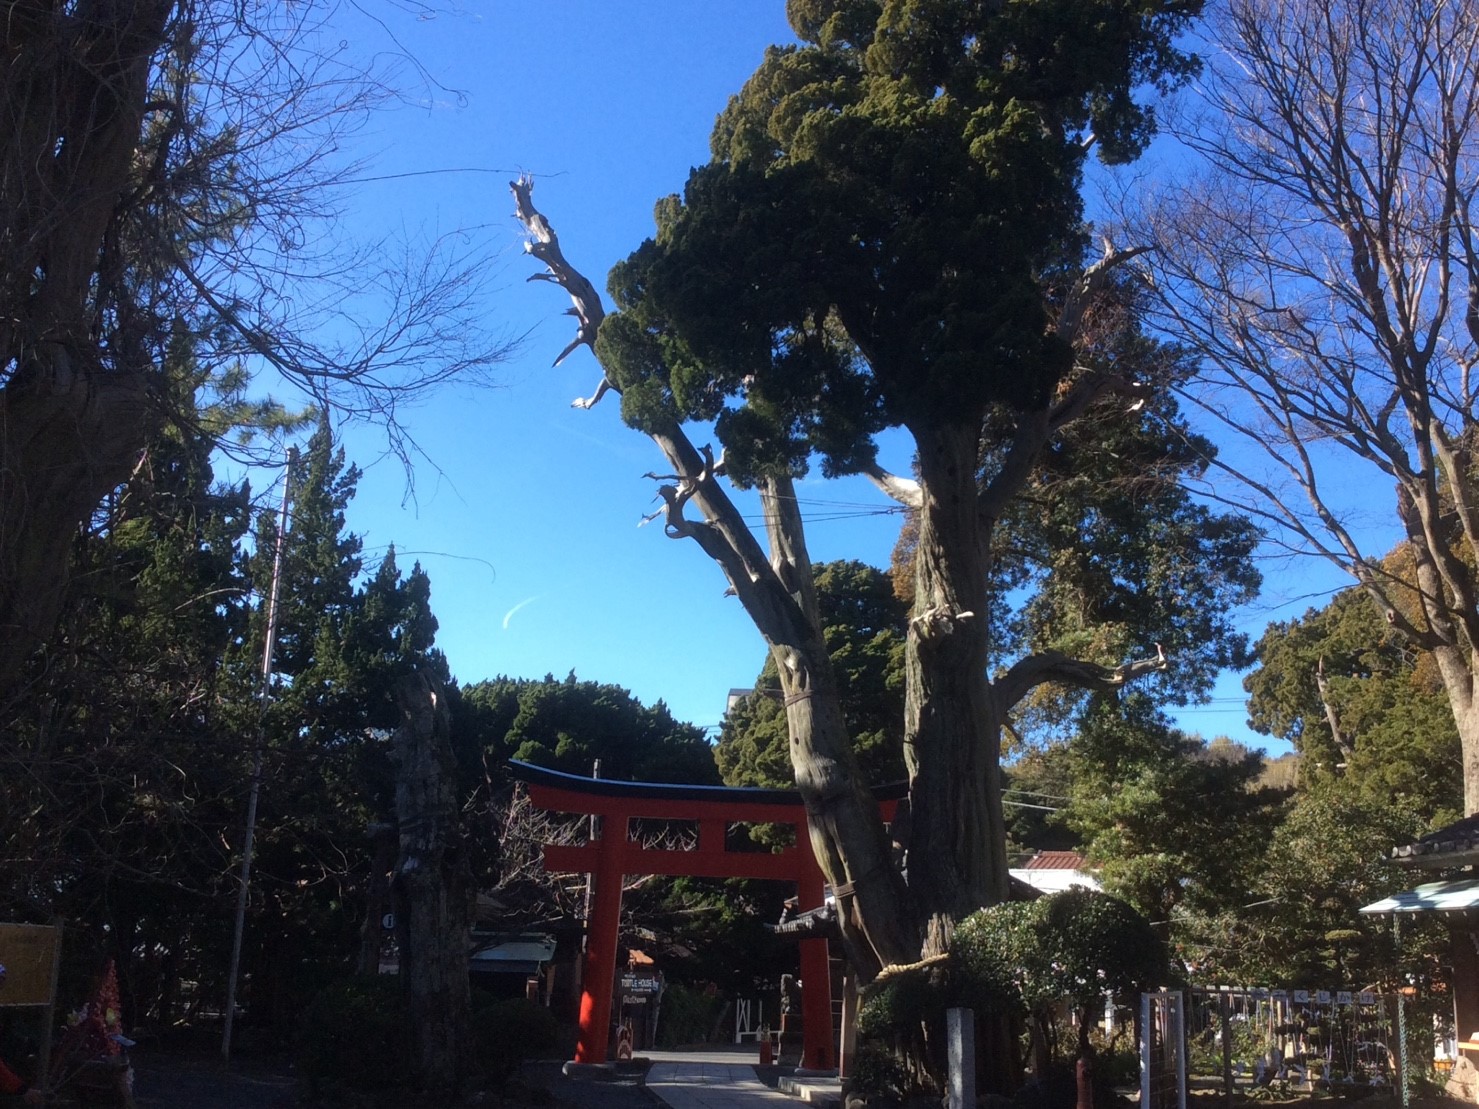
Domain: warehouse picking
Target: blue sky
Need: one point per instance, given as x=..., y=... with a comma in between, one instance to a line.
x=525, y=512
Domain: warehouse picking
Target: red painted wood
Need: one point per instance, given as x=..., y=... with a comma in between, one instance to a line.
x=612, y=857
x=816, y=969
x=689, y=864
x=558, y=799
x=601, y=936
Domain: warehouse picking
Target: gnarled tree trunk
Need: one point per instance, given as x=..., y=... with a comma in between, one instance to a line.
x=432, y=883
x=957, y=837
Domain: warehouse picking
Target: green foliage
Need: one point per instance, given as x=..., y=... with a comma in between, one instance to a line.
x=508, y=1031
x=568, y=724
x=705, y=922
x=903, y=1002
x=1076, y=945
x=876, y=1073
x=343, y=644
x=121, y=763
x=899, y=183
x=688, y=1015
x=1035, y=786
x=1301, y=926
x=1116, y=558
x=863, y=623
x=1388, y=700
x=356, y=1035
x=1172, y=824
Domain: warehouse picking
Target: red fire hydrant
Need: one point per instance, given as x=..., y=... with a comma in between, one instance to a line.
x=765, y=1056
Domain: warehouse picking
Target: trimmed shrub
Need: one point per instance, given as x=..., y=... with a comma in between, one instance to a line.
x=877, y=1076
x=506, y=1032
x=356, y=1035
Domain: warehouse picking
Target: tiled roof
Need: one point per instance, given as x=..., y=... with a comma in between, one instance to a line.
x=1056, y=860
x=1458, y=837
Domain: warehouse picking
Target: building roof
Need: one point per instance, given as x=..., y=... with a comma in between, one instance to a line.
x=1056, y=860
x=517, y=955
x=1458, y=898
x=1457, y=844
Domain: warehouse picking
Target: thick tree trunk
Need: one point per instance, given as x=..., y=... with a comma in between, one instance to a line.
x=877, y=920
x=72, y=408
x=1445, y=634
x=1457, y=669
x=66, y=439
x=432, y=879
x=957, y=837
x=846, y=835
x=383, y=849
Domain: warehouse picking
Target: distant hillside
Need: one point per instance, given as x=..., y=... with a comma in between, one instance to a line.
x=1280, y=773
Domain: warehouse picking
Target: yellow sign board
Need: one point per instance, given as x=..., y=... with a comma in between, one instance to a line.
x=28, y=954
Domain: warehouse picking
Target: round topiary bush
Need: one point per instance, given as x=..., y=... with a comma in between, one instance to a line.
x=356, y=1035
x=508, y=1031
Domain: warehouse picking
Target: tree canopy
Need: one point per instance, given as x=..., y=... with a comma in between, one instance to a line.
x=889, y=234
x=1360, y=704
x=863, y=623
x=567, y=724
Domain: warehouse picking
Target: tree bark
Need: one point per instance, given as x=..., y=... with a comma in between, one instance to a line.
x=383, y=849
x=957, y=836
x=778, y=595
x=846, y=835
x=432, y=880
x=66, y=440
x=72, y=409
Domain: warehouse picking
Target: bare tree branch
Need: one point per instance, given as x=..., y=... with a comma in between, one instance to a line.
x=1053, y=666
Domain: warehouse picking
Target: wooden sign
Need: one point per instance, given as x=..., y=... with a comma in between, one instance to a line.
x=28, y=952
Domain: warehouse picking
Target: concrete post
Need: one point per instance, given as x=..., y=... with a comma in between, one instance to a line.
x=961, y=1044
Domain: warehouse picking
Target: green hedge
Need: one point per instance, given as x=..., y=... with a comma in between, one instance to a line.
x=356, y=1035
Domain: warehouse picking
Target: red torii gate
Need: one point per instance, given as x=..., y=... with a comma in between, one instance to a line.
x=609, y=859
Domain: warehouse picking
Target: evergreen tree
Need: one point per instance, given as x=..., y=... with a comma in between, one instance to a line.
x=1173, y=826
x=342, y=647
x=568, y=724
x=122, y=756
x=1361, y=706
x=889, y=235
x=1300, y=924
x=864, y=626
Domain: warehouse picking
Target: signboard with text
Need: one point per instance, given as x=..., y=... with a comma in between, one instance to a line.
x=28, y=954
x=636, y=983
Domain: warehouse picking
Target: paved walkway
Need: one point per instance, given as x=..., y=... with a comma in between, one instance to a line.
x=711, y=1080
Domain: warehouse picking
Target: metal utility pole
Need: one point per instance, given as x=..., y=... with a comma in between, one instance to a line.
x=256, y=785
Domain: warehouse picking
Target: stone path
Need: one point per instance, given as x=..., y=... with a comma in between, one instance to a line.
x=710, y=1080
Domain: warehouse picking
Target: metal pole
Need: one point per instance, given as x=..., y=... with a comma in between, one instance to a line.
x=256, y=784
x=1401, y=1019
x=43, y=1063
x=1224, y=1015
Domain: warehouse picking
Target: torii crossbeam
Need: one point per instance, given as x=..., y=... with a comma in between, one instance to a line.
x=609, y=859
